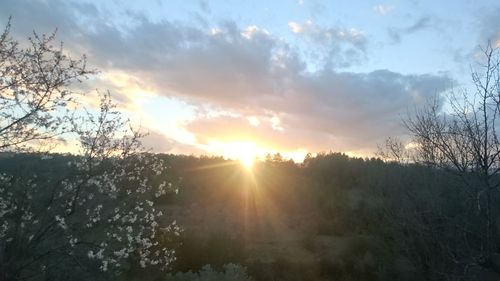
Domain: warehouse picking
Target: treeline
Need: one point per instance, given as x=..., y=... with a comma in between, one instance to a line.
x=332, y=217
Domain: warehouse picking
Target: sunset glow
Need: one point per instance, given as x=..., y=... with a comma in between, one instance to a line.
x=244, y=151
x=294, y=83
x=247, y=161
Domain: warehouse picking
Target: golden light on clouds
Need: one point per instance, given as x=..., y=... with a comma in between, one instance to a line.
x=131, y=88
x=167, y=122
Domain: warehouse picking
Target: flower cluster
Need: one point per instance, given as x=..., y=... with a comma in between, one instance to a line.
x=101, y=212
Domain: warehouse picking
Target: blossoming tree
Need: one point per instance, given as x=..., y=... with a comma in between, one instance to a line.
x=97, y=218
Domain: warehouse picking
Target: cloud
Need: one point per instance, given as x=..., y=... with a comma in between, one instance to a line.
x=204, y=6
x=157, y=142
x=241, y=72
x=232, y=129
x=334, y=46
x=329, y=110
x=489, y=25
x=422, y=23
x=295, y=27
x=160, y=143
x=383, y=10
x=330, y=35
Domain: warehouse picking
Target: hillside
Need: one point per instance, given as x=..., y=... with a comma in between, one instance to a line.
x=329, y=218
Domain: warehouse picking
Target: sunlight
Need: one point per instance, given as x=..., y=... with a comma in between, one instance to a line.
x=246, y=152
x=247, y=161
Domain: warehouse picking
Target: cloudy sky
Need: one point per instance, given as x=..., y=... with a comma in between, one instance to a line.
x=298, y=76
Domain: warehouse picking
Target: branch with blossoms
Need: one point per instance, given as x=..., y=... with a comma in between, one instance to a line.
x=95, y=214
x=103, y=212
x=34, y=92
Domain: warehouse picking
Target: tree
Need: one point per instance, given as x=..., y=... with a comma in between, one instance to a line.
x=97, y=216
x=34, y=97
x=394, y=150
x=465, y=141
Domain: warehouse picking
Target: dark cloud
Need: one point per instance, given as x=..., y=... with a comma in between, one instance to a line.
x=245, y=71
x=420, y=24
x=396, y=33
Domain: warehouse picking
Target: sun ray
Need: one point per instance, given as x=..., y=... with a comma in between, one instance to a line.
x=247, y=161
x=213, y=166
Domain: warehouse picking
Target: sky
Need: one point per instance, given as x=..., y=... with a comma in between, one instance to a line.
x=257, y=77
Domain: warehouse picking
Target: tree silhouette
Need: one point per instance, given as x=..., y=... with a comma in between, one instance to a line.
x=465, y=141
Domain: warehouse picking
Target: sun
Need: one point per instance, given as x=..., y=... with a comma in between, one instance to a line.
x=245, y=152
x=247, y=161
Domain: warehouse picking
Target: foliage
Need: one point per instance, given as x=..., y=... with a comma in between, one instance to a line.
x=465, y=142
x=34, y=98
x=97, y=214
x=360, y=219
x=231, y=272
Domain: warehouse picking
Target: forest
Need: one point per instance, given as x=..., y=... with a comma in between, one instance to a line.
x=332, y=217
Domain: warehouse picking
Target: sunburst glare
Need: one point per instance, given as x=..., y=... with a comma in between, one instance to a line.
x=246, y=152
x=247, y=161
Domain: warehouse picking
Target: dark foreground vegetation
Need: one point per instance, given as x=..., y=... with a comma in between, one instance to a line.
x=331, y=218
